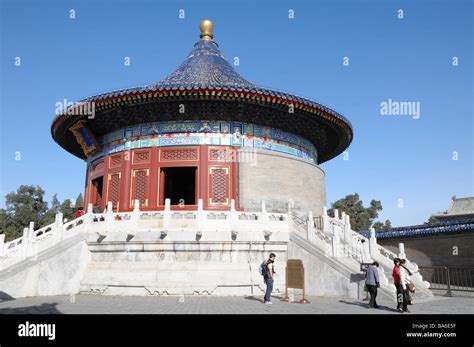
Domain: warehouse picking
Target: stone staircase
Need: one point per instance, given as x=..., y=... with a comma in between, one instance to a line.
x=330, y=246
x=192, y=252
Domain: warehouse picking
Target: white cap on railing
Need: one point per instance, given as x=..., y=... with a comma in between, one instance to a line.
x=372, y=233
x=136, y=205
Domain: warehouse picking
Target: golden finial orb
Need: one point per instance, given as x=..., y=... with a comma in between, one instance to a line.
x=206, y=27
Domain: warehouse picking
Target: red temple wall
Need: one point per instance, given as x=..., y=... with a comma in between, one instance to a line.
x=136, y=174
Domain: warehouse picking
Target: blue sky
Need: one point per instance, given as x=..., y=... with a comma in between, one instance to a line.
x=391, y=157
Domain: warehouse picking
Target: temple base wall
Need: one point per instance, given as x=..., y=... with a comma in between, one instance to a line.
x=278, y=179
x=181, y=268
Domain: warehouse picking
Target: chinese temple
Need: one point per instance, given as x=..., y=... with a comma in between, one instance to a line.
x=191, y=182
x=184, y=137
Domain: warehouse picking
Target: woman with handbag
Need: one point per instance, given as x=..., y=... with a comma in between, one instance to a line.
x=410, y=284
x=404, y=281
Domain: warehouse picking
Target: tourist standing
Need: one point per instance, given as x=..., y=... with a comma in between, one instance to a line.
x=372, y=282
x=79, y=213
x=400, y=286
x=268, y=278
x=403, y=264
x=404, y=281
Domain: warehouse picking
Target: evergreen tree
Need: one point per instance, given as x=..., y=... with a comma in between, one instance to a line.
x=361, y=217
x=79, y=202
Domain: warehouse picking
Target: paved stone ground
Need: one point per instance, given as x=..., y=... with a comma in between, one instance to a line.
x=85, y=304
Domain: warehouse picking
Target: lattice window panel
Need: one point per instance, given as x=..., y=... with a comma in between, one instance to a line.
x=116, y=161
x=179, y=154
x=141, y=186
x=98, y=197
x=219, y=186
x=141, y=157
x=98, y=166
x=114, y=190
x=217, y=154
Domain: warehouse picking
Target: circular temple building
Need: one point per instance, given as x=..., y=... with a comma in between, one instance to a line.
x=203, y=132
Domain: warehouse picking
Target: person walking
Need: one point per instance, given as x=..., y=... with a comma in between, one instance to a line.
x=400, y=285
x=404, y=281
x=268, y=275
x=372, y=281
x=403, y=263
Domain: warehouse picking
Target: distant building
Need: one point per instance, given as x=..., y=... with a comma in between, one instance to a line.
x=448, y=242
x=461, y=209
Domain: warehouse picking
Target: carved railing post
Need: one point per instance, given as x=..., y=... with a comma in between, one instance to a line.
x=200, y=216
x=310, y=226
x=89, y=218
x=347, y=229
x=264, y=217
x=30, y=239
x=2, y=245
x=167, y=214
x=109, y=217
x=326, y=224
x=233, y=216
x=373, y=248
x=401, y=251
x=58, y=227
x=135, y=217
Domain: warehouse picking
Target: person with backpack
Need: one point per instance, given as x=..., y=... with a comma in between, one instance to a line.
x=268, y=271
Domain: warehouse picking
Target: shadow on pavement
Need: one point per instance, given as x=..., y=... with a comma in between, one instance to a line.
x=5, y=297
x=39, y=309
x=254, y=299
x=366, y=306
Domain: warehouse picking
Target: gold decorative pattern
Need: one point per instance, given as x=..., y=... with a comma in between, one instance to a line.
x=88, y=151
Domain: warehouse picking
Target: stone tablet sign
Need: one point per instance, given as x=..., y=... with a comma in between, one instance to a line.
x=295, y=277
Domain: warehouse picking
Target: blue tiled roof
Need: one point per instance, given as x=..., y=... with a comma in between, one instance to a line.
x=206, y=68
x=421, y=230
x=204, y=71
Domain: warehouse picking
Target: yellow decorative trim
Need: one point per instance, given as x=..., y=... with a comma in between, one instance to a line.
x=88, y=151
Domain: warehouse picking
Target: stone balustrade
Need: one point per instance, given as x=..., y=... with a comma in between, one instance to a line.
x=342, y=242
x=213, y=225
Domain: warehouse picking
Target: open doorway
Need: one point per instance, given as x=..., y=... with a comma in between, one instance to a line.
x=179, y=185
x=97, y=187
